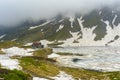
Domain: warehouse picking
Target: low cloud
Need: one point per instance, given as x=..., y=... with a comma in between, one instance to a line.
x=14, y=11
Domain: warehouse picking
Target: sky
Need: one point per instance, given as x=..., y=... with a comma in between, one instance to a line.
x=13, y=12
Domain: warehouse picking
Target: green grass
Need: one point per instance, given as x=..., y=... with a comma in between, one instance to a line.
x=41, y=68
x=14, y=75
x=46, y=69
x=8, y=44
x=84, y=74
x=55, y=44
x=43, y=52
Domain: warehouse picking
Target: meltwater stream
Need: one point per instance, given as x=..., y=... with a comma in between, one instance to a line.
x=94, y=58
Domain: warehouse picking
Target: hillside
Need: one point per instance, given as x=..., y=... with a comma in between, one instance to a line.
x=98, y=28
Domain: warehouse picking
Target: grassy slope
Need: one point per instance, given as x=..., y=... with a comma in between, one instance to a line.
x=40, y=66
x=46, y=68
x=14, y=75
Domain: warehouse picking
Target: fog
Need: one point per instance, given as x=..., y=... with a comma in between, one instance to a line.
x=13, y=12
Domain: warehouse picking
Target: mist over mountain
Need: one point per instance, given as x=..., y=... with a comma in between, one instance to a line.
x=13, y=12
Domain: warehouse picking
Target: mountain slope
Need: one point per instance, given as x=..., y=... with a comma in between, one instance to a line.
x=98, y=28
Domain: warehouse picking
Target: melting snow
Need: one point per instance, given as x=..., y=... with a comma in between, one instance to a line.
x=62, y=76
x=71, y=20
x=95, y=58
x=53, y=55
x=88, y=35
x=33, y=27
x=37, y=78
x=60, y=27
x=69, y=42
x=2, y=36
x=7, y=62
x=114, y=19
x=45, y=42
x=18, y=51
x=28, y=44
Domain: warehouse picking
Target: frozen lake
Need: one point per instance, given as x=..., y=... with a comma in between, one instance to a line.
x=94, y=58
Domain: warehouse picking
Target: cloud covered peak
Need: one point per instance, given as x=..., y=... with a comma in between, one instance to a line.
x=14, y=11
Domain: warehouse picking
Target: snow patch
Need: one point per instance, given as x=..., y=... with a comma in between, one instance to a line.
x=45, y=42
x=62, y=76
x=33, y=27
x=94, y=58
x=2, y=36
x=72, y=20
x=114, y=19
x=28, y=44
x=88, y=36
x=37, y=78
x=60, y=27
x=7, y=62
x=60, y=20
x=69, y=42
x=13, y=39
x=17, y=51
x=100, y=12
x=10, y=64
x=53, y=55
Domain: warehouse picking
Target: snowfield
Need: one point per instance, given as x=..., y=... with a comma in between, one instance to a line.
x=111, y=38
x=94, y=58
x=17, y=51
x=7, y=62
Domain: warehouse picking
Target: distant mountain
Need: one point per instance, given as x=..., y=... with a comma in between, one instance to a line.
x=98, y=28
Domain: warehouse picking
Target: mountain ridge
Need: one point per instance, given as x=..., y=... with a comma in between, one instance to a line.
x=99, y=27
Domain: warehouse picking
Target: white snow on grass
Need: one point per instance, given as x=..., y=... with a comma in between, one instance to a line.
x=60, y=27
x=53, y=55
x=60, y=20
x=7, y=62
x=94, y=58
x=2, y=36
x=28, y=44
x=18, y=51
x=14, y=39
x=88, y=36
x=37, y=78
x=69, y=42
x=72, y=20
x=62, y=76
x=45, y=42
x=114, y=19
x=10, y=64
x=34, y=27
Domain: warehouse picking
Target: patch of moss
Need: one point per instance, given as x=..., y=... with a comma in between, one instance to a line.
x=41, y=68
x=43, y=52
x=8, y=44
x=14, y=75
x=84, y=74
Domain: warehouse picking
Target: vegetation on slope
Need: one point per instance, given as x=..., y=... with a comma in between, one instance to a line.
x=13, y=75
